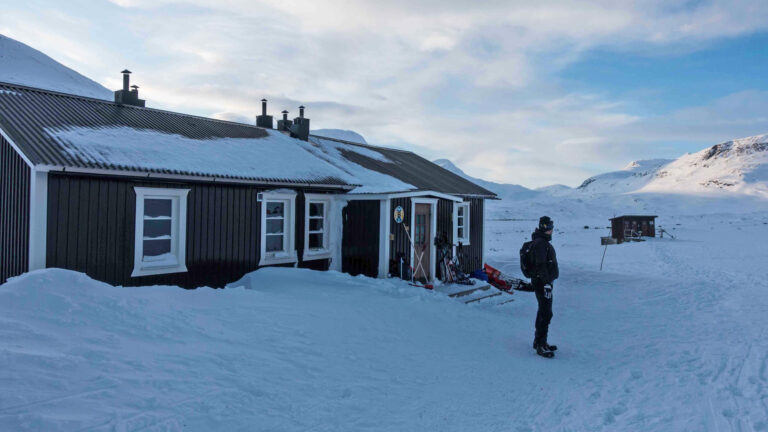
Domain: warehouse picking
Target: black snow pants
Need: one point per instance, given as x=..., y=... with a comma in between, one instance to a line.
x=544, y=315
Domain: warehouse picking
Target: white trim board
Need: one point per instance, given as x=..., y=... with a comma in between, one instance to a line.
x=385, y=209
x=192, y=178
x=38, y=219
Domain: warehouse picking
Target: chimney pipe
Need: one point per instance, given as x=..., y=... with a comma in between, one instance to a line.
x=301, y=111
x=126, y=79
x=285, y=115
x=263, y=107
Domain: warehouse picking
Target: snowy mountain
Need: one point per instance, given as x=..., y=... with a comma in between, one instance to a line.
x=504, y=191
x=739, y=166
x=633, y=177
x=555, y=190
x=346, y=135
x=734, y=167
x=24, y=65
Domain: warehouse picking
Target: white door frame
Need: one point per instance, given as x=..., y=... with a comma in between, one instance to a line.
x=432, y=232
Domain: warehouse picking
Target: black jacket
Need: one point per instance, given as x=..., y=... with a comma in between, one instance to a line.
x=544, y=258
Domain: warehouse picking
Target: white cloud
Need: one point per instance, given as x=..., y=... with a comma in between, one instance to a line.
x=474, y=82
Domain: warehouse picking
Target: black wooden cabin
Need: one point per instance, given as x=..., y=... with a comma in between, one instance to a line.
x=137, y=196
x=633, y=226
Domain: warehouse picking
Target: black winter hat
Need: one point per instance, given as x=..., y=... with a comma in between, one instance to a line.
x=546, y=223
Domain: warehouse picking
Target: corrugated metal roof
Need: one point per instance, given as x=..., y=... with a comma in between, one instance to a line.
x=27, y=115
x=410, y=168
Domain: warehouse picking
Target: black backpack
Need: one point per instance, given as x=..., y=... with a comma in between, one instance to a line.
x=526, y=261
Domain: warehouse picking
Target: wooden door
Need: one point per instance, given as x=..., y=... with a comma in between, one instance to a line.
x=422, y=241
x=360, y=238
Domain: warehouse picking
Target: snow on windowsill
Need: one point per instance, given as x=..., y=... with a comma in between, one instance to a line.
x=270, y=258
x=316, y=254
x=164, y=260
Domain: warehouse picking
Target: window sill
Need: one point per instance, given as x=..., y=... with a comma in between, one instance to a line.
x=156, y=270
x=279, y=259
x=316, y=254
x=464, y=242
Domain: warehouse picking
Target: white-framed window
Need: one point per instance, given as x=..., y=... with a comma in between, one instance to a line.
x=316, y=227
x=278, y=226
x=161, y=231
x=461, y=223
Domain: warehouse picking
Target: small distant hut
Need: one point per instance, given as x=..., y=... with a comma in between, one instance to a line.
x=629, y=227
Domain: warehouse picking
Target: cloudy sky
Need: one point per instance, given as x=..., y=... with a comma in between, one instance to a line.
x=527, y=92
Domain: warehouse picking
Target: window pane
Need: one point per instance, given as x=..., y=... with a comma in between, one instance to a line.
x=461, y=233
x=315, y=224
x=315, y=241
x=461, y=210
x=460, y=221
x=154, y=248
x=275, y=209
x=157, y=207
x=157, y=228
x=316, y=209
x=274, y=226
x=274, y=243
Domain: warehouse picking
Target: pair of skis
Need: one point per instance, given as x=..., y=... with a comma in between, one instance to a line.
x=419, y=257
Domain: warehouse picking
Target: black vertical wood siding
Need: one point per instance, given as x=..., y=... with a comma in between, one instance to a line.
x=400, y=244
x=14, y=212
x=360, y=242
x=91, y=228
x=444, y=225
x=473, y=253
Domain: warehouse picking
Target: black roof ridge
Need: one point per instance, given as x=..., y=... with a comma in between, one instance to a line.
x=103, y=101
x=365, y=145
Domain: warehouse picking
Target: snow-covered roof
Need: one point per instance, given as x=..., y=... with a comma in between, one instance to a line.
x=407, y=169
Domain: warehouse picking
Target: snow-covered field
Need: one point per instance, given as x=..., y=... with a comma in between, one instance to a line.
x=670, y=336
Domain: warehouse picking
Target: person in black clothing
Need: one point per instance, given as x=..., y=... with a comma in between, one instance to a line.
x=545, y=271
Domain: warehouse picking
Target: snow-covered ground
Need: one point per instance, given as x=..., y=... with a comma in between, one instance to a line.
x=670, y=336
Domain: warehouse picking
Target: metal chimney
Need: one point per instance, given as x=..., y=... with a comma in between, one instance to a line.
x=300, y=127
x=264, y=120
x=284, y=124
x=126, y=96
x=126, y=79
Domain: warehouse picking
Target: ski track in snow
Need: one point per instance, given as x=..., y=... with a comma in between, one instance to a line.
x=669, y=336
